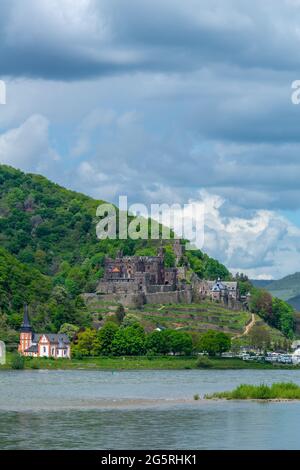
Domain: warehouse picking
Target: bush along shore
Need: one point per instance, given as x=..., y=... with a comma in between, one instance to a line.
x=276, y=391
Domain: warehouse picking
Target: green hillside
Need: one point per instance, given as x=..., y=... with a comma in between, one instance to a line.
x=45, y=225
x=50, y=254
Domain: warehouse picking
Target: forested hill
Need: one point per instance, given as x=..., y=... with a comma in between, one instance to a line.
x=49, y=234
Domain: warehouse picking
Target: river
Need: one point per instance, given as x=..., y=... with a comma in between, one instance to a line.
x=142, y=410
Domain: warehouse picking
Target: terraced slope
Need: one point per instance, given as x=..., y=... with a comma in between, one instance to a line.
x=198, y=317
x=193, y=317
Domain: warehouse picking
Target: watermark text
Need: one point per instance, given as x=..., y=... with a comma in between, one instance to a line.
x=160, y=222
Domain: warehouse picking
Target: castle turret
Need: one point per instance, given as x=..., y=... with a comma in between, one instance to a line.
x=25, y=333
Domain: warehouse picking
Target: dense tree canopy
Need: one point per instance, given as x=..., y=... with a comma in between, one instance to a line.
x=275, y=312
x=169, y=341
x=214, y=342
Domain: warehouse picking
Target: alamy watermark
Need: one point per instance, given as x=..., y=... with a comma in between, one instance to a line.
x=137, y=222
x=2, y=92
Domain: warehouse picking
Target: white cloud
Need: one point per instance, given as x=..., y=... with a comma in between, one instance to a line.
x=264, y=245
x=27, y=146
x=88, y=174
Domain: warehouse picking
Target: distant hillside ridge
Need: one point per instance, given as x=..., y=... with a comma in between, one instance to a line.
x=261, y=283
x=286, y=288
x=295, y=302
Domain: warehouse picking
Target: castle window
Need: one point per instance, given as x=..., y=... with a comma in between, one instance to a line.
x=44, y=349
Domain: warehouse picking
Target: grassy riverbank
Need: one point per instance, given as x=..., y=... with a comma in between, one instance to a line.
x=142, y=363
x=277, y=391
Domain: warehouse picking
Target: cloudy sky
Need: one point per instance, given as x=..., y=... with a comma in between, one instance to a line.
x=165, y=101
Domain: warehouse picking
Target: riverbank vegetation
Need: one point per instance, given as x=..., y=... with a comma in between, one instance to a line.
x=142, y=363
x=276, y=391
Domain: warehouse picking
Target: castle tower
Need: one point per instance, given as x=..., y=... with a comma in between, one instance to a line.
x=25, y=333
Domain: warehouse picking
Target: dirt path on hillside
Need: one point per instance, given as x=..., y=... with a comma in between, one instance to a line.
x=248, y=327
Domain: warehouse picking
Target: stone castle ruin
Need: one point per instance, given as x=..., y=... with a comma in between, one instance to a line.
x=137, y=280
x=144, y=279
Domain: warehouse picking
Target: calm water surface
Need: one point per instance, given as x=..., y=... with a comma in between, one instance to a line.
x=141, y=410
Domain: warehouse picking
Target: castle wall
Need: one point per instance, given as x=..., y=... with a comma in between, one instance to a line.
x=171, y=297
x=137, y=299
x=128, y=300
x=162, y=298
x=126, y=286
x=152, y=289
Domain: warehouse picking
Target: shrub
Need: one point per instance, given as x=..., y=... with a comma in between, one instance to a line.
x=18, y=362
x=203, y=363
x=34, y=365
x=77, y=355
x=279, y=390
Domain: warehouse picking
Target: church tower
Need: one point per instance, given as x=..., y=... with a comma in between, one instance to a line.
x=25, y=333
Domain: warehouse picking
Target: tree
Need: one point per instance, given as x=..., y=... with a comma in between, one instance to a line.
x=274, y=311
x=120, y=314
x=261, y=303
x=129, y=341
x=158, y=342
x=214, y=269
x=244, y=284
x=180, y=342
x=169, y=256
x=70, y=330
x=214, y=342
x=88, y=343
x=283, y=317
x=259, y=337
x=106, y=337
x=166, y=341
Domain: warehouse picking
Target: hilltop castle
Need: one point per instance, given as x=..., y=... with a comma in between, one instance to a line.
x=138, y=274
x=44, y=344
x=136, y=280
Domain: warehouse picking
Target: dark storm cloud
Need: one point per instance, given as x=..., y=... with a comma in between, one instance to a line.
x=160, y=100
x=75, y=40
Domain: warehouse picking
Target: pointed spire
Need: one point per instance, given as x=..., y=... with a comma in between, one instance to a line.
x=26, y=323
